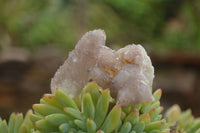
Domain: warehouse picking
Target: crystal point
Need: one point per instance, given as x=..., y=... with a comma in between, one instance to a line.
x=72, y=76
x=128, y=72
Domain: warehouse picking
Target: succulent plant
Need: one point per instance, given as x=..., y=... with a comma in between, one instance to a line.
x=95, y=111
x=145, y=117
x=17, y=124
x=81, y=107
x=183, y=122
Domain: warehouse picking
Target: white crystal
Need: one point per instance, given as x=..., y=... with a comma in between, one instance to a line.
x=136, y=54
x=101, y=77
x=108, y=58
x=72, y=76
x=131, y=85
x=128, y=72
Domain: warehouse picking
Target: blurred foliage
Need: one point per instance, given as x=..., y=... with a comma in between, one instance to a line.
x=161, y=25
x=182, y=121
x=34, y=23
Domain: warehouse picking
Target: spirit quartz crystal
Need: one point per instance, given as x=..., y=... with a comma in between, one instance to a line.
x=127, y=72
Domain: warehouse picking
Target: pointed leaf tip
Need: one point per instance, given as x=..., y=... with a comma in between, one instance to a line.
x=118, y=106
x=135, y=111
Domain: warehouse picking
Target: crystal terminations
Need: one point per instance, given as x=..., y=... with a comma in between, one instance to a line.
x=128, y=72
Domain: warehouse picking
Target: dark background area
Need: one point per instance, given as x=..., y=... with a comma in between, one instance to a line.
x=36, y=36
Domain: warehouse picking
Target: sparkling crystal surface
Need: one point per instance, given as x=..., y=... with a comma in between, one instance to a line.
x=128, y=72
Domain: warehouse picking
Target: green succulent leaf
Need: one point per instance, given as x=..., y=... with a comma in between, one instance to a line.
x=93, y=112
x=17, y=124
x=182, y=121
x=112, y=119
x=88, y=106
x=102, y=107
x=96, y=114
x=4, y=127
x=64, y=99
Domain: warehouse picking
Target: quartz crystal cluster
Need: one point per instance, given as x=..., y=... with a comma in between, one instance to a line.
x=128, y=72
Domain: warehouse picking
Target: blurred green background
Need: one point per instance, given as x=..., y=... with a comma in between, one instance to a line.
x=160, y=25
x=36, y=36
